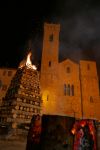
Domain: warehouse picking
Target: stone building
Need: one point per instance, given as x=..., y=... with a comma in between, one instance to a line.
x=6, y=75
x=68, y=88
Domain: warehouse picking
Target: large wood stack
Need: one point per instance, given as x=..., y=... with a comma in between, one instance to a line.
x=22, y=99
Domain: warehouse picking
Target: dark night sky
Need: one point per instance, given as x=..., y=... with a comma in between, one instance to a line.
x=21, y=27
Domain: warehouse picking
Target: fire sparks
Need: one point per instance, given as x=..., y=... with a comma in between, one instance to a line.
x=27, y=62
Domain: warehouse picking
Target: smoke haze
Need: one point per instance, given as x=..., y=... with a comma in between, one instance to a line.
x=79, y=35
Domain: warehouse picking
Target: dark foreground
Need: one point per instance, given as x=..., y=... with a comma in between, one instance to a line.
x=12, y=145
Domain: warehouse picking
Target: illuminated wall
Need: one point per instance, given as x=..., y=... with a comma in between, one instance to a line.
x=6, y=74
x=90, y=89
x=68, y=88
x=49, y=72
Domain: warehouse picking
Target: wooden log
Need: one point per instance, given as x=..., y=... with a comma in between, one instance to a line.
x=27, y=109
x=31, y=109
x=16, y=107
x=26, y=101
x=21, y=107
x=14, y=115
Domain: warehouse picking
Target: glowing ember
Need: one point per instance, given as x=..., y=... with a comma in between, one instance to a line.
x=29, y=63
x=83, y=123
x=73, y=131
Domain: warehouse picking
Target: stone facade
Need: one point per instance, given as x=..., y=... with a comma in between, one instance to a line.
x=68, y=88
x=6, y=75
x=89, y=90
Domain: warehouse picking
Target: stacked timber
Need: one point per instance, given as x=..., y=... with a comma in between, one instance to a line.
x=23, y=99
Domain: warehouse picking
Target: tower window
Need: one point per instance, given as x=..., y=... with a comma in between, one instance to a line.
x=88, y=67
x=49, y=63
x=65, y=87
x=68, y=69
x=47, y=97
x=91, y=99
x=51, y=38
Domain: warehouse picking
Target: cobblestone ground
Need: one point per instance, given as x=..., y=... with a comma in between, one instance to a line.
x=12, y=145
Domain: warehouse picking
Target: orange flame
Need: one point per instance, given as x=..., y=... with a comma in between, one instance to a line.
x=73, y=131
x=29, y=63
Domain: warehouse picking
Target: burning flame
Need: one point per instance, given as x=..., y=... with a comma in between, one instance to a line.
x=73, y=131
x=29, y=63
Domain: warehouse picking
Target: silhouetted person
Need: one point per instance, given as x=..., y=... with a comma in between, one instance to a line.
x=87, y=142
x=33, y=138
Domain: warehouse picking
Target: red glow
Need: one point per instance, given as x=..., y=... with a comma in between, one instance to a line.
x=80, y=133
x=83, y=123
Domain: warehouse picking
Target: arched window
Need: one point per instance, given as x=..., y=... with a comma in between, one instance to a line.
x=68, y=69
x=65, y=87
x=51, y=38
x=68, y=90
x=49, y=63
x=72, y=90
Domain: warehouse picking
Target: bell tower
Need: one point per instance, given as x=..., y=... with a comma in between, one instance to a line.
x=49, y=67
x=50, y=46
